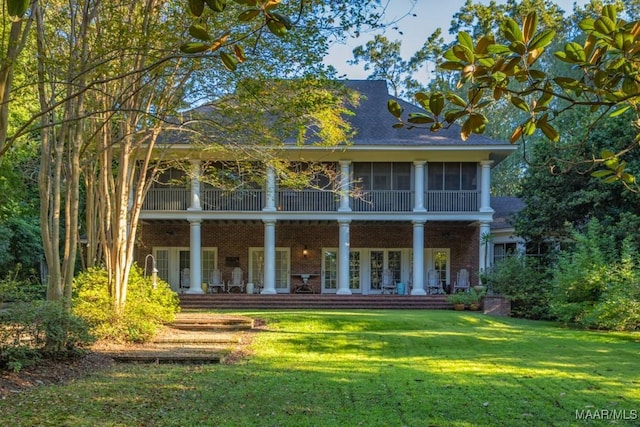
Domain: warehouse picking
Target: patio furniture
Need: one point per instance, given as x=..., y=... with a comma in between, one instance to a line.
x=388, y=282
x=216, y=283
x=185, y=278
x=462, y=281
x=434, y=285
x=236, y=280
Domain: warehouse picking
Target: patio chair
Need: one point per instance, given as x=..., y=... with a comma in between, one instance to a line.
x=434, y=286
x=236, y=280
x=185, y=278
x=216, y=283
x=388, y=282
x=462, y=281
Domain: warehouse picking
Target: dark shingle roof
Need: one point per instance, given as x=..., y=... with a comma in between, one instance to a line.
x=374, y=123
x=505, y=207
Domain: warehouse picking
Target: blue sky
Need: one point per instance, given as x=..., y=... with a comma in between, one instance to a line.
x=431, y=14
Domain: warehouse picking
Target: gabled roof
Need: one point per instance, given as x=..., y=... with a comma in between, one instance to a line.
x=504, y=207
x=374, y=123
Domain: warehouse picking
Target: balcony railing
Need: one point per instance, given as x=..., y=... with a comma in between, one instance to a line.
x=177, y=199
x=307, y=201
x=452, y=201
x=384, y=201
x=239, y=200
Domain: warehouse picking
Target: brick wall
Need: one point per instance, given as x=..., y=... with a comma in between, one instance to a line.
x=233, y=239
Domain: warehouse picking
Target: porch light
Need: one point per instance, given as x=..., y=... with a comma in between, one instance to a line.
x=305, y=251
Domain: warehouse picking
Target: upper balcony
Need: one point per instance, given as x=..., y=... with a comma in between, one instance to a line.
x=317, y=201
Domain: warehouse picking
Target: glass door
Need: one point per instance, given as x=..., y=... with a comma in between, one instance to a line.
x=256, y=268
x=381, y=259
x=330, y=271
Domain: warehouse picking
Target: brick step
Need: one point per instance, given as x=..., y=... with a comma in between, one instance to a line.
x=311, y=301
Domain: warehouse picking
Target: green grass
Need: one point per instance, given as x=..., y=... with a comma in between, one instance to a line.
x=367, y=368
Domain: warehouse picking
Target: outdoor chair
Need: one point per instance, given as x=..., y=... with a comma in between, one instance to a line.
x=236, y=280
x=216, y=284
x=462, y=281
x=388, y=282
x=434, y=286
x=185, y=278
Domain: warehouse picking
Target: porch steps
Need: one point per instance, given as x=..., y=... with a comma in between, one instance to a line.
x=311, y=301
x=194, y=338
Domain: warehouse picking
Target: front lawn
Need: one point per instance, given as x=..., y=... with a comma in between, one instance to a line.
x=368, y=368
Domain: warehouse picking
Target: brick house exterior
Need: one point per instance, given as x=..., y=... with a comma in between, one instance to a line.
x=426, y=204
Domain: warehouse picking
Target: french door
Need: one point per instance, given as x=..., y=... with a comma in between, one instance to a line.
x=330, y=271
x=380, y=260
x=283, y=273
x=171, y=263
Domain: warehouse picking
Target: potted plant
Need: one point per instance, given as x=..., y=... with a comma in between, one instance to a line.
x=475, y=299
x=459, y=300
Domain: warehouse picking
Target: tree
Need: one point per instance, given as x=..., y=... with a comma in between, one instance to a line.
x=605, y=56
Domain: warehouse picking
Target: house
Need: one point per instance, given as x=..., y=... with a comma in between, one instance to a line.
x=424, y=201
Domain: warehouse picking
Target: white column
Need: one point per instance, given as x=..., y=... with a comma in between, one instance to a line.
x=418, y=258
x=195, y=186
x=418, y=185
x=270, y=191
x=343, y=258
x=269, y=257
x=195, y=259
x=485, y=189
x=345, y=186
x=485, y=251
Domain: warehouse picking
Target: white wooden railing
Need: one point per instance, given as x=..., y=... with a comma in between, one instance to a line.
x=177, y=199
x=384, y=201
x=452, y=201
x=307, y=201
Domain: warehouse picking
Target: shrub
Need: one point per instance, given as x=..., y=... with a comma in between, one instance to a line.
x=32, y=330
x=596, y=290
x=14, y=287
x=146, y=308
x=525, y=283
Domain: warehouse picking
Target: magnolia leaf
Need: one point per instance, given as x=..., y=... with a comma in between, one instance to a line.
x=283, y=19
x=229, y=61
x=465, y=40
x=518, y=47
x=455, y=99
x=420, y=118
x=498, y=49
x=436, y=103
x=248, y=15
x=277, y=27
x=199, y=32
x=575, y=52
x=463, y=53
x=394, y=108
x=483, y=44
x=529, y=26
x=549, y=131
x=466, y=130
x=450, y=65
x=601, y=173
x=604, y=25
x=398, y=125
x=620, y=111
x=605, y=154
x=610, y=12
x=520, y=103
x=511, y=31
x=17, y=8
x=628, y=178
x=239, y=52
x=194, y=47
x=196, y=7
x=542, y=40
x=216, y=5
x=516, y=135
x=587, y=25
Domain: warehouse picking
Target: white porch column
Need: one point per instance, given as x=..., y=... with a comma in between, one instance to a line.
x=195, y=186
x=195, y=259
x=345, y=186
x=270, y=191
x=418, y=258
x=485, y=252
x=485, y=189
x=269, y=257
x=343, y=258
x=418, y=185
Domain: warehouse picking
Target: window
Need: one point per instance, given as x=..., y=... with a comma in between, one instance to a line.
x=503, y=250
x=382, y=175
x=452, y=176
